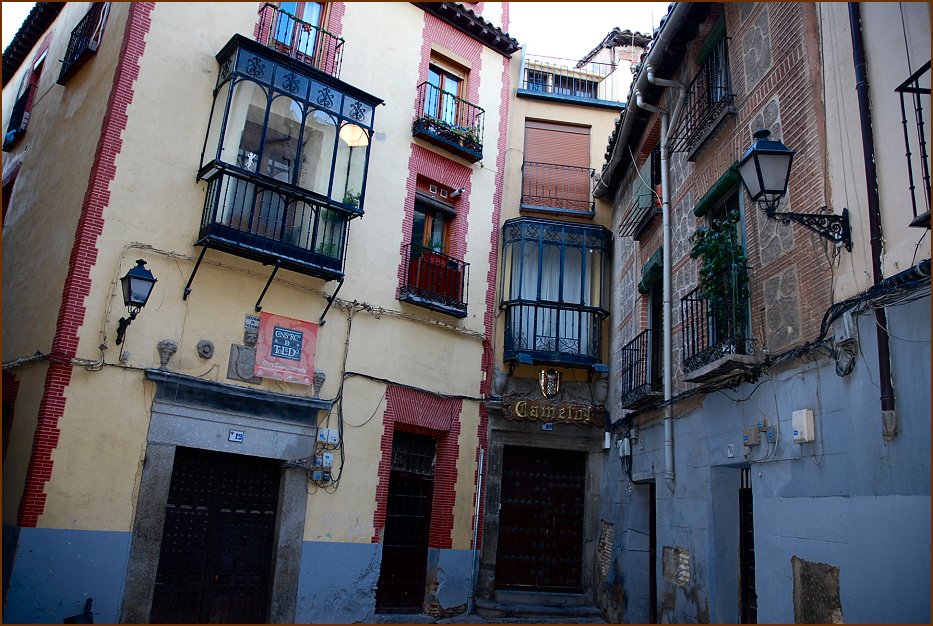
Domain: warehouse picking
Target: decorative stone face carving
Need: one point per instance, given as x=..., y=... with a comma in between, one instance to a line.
x=318, y=380
x=499, y=379
x=205, y=349
x=166, y=349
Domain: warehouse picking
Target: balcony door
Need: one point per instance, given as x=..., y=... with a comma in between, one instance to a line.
x=441, y=101
x=296, y=29
x=556, y=168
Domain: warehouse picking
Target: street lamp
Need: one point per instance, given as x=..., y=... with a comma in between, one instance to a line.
x=137, y=286
x=765, y=171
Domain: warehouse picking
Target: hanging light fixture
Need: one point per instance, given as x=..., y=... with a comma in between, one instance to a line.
x=765, y=171
x=137, y=286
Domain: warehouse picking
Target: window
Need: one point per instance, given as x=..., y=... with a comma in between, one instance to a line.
x=430, y=229
x=555, y=278
x=573, y=86
x=441, y=101
x=296, y=28
x=536, y=81
x=556, y=176
x=19, y=117
x=85, y=40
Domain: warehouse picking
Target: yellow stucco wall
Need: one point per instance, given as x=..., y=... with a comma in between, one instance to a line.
x=154, y=214
x=55, y=156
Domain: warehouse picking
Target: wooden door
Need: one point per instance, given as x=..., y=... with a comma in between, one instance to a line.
x=217, y=542
x=540, y=544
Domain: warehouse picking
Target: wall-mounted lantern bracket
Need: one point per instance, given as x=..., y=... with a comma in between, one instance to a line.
x=833, y=227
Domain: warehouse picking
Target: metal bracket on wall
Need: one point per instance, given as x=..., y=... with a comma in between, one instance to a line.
x=258, y=306
x=330, y=301
x=829, y=226
x=193, y=272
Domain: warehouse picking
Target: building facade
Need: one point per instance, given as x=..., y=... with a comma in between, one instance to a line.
x=547, y=410
x=769, y=373
x=290, y=429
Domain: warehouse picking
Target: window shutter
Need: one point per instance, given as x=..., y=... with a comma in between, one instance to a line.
x=548, y=142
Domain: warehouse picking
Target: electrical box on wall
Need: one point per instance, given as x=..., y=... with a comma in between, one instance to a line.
x=751, y=436
x=802, y=424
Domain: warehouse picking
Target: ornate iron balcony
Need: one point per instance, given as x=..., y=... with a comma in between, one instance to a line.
x=715, y=339
x=917, y=94
x=260, y=219
x=557, y=188
x=641, y=371
x=709, y=100
x=435, y=281
x=449, y=122
x=303, y=41
x=85, y=38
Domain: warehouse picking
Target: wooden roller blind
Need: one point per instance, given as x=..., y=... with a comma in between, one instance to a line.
x=563, y=144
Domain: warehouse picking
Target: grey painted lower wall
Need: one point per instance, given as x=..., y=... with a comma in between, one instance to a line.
x=56, y=570
x=337, y=582
x=850, y=500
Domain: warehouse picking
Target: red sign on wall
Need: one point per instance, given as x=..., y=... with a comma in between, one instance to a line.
x=285, y=350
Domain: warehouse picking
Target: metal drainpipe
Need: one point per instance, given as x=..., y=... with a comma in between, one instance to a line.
x=666, y=265
x=888, y=416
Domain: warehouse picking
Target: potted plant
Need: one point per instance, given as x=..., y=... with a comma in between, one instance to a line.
x=723, y=278
x=352, y=199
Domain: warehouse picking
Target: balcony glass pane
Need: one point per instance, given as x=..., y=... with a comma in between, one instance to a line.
x=217, y=122
x=351, y=164
x=280, y=151
x=245, y=120
x=573, y=276
x=320, y=135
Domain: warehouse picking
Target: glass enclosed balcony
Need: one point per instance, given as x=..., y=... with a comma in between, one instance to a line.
x=286, y=158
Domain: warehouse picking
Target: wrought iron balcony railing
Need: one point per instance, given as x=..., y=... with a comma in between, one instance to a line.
x=259, y=219
x=564, y=188
x=709, y=100
x=565, y=78
x=916, y=90
x=641, y=214
x=449, y=122
x=85, y=38
x=435, y=281
x=640, y=384
x=561, y=334
x=306, y=42
x=19, y=118
x=713, y=330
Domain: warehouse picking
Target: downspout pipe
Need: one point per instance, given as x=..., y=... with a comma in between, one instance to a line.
x=668, y=31
x=888, y=416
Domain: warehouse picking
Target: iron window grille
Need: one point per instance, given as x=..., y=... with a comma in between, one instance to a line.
x=85, y=39
x=555, y=282
x=709, y=100
x=19, y=117
x=913, y=92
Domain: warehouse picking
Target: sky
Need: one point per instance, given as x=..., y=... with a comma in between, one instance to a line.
x=559, y=29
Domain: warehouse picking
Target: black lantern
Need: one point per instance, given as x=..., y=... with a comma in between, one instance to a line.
x=765, y=171
x=137, y=286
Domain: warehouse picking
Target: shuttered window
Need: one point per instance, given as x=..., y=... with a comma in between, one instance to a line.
x=556, y=169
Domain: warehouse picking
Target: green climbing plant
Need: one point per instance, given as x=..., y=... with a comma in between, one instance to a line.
x=723, y=275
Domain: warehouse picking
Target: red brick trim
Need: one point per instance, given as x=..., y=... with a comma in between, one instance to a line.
x=412, y=411
x=83, y=258
x=10, y=391
x=488, y=318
